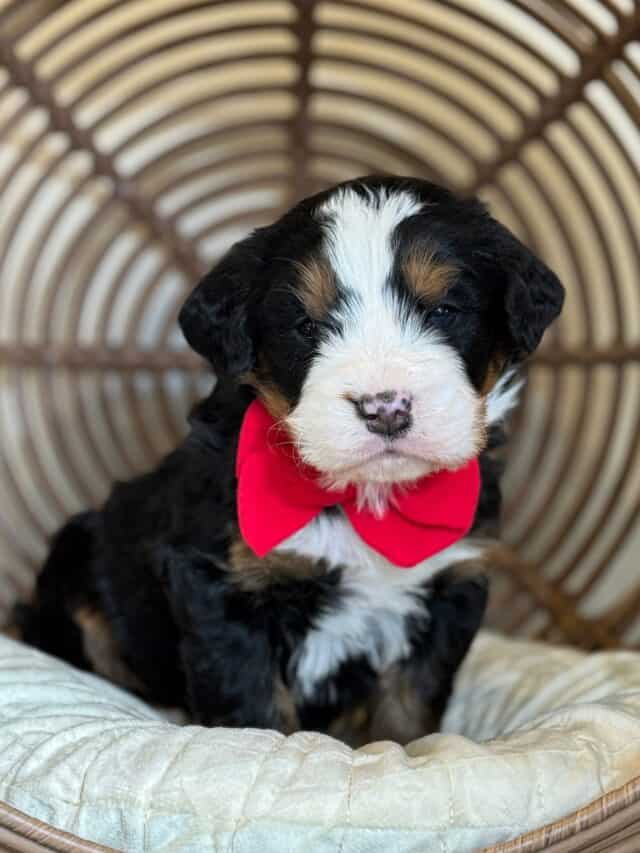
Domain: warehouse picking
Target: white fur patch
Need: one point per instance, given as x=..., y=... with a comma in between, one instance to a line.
x=503, y=398
x=358, y=240
x=375, y=497
x=380, y=347
x=370, y=621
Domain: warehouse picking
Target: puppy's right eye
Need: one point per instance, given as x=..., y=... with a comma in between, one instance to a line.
x=444, y=312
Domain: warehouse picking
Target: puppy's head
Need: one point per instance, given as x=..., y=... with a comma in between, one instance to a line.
x=376, y=318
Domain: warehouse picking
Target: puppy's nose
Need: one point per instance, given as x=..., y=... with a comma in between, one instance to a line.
x=387, y=413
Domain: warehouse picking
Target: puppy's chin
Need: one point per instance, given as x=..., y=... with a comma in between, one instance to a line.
x=384, y=468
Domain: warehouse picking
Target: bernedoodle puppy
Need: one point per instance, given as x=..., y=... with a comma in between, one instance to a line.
x=290, y=564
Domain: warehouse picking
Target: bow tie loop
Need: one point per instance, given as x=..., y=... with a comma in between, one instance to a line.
x=278, y=495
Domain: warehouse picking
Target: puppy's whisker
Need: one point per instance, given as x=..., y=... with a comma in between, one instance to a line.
x=281, y=440
x=283, y=444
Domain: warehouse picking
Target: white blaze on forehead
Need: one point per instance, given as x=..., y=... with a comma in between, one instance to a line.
x=359, y=246
x=359, y=237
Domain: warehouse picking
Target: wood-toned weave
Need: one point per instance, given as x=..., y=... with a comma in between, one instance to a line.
x=20, y=833
x=138, y=140
x=610, y=824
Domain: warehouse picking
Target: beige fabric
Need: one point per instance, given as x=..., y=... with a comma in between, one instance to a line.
x=611, y=824
x=532, y=734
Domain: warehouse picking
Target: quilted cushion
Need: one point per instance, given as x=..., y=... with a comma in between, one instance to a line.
x=532, y=733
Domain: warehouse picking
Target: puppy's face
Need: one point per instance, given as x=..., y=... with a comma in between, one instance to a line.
x=375, y=318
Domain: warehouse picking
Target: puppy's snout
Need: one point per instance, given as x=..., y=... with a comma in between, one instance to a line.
x=387, y=413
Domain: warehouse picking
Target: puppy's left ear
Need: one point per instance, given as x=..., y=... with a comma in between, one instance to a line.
x=533, y=295
x=215, y=318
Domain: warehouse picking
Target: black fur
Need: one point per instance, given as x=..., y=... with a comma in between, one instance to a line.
x=62, y=586
x=155, y=560
x=189, y=634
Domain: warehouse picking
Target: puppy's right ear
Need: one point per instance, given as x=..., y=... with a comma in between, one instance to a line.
x=214, y=319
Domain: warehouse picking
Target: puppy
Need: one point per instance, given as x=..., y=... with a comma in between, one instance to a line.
x=378, y=324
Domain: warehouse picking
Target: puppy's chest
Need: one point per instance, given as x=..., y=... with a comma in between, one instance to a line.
x=371, y=610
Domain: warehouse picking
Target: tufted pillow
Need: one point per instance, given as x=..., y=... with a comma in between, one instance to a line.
x=532, y=733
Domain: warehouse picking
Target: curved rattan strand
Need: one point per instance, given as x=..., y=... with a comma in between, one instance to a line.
x=563, y=466
x=519, y=505
x=61, y=120
x=617, y=488
x=597, y=464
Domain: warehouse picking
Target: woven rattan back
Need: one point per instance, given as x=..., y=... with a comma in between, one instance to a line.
x=138, y=139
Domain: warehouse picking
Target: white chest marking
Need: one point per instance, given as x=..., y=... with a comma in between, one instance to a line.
x=370, y=621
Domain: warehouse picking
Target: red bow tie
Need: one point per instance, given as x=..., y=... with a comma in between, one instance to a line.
x=278, y=495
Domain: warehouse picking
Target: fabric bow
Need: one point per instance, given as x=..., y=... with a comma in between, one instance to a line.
x=278, y=495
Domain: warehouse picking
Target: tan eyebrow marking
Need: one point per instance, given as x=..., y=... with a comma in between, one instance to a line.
x=427, y=278
x=317, y=287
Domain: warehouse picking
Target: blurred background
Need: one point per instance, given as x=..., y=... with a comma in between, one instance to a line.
x=139, y=138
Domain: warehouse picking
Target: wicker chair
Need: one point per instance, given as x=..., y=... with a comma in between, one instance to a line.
x=136, y=143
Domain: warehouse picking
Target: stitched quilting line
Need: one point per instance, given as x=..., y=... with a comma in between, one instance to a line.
x=31, y=750
x=149, y=797
x=87, y=768
x=348, y=824
x=444, y=846
x=199, y=818
x=274, y=748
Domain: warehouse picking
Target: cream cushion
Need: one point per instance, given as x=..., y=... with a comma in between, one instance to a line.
x=532, y=733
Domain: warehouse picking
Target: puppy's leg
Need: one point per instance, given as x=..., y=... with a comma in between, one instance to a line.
x=66, y=617
x=63, y=585
x=411, y=696
x=228, y=650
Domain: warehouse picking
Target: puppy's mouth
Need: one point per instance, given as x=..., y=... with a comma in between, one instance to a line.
x=389, y=465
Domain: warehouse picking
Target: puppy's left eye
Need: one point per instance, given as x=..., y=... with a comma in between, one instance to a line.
x=306, y=328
